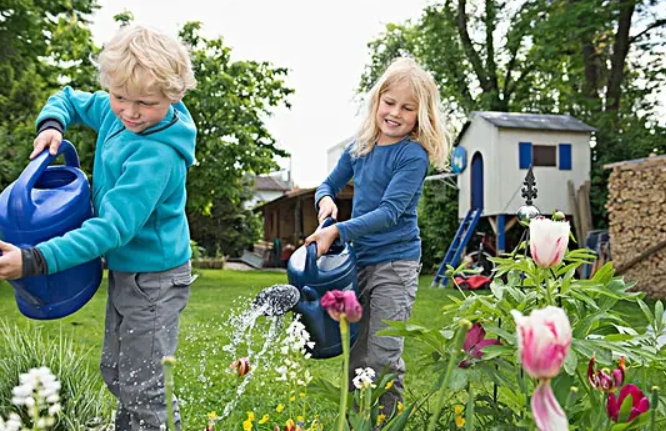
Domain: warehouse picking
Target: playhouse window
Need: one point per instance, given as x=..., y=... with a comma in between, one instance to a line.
x=544, y=155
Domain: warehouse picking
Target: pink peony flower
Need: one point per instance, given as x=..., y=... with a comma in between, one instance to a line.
x=544, y=339
x=639, y=403
x=548, y=241
x=339, y=302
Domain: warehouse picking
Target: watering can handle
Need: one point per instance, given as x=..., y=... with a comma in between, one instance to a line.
x=20, y=201
x=311, y=270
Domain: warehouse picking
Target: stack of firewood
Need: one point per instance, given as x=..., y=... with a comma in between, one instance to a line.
x=637, y=214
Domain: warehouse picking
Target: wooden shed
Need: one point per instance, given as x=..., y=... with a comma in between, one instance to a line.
x=292, y=217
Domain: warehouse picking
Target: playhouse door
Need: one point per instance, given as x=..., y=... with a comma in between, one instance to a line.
x=477, y=181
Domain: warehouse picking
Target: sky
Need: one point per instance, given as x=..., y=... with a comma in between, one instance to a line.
x=323, y=44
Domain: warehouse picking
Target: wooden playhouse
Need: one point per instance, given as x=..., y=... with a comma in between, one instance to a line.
x=491, y=157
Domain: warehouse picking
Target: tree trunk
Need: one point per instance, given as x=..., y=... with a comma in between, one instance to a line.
x=620, y=50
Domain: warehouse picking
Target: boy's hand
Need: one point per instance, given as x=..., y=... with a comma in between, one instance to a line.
x=324, y=238
x=11, y=261
x=327, y=208
x=50, y=138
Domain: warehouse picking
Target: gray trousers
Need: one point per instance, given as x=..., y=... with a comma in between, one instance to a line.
x=142, y=316
x=387, y=292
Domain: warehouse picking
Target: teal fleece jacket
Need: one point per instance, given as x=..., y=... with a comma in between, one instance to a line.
x=138, y=188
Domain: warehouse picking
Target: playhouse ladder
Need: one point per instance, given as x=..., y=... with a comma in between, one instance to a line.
x=452, y=257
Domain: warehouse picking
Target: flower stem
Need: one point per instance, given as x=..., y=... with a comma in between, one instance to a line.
x=443, y=392
x=344, y=386
x=653, y=406
x=469, y=411
x=168, y=363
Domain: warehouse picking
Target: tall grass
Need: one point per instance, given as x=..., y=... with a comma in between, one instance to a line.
x=85, y=404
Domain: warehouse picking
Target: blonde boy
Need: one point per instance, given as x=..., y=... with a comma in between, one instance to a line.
x=145, y=144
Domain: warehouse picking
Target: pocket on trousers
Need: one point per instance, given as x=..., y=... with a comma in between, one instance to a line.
x=148, y=286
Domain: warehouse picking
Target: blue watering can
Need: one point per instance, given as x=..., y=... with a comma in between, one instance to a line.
x=45, y=202
x=335, y=270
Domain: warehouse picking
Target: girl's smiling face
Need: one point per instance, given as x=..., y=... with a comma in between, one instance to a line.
x=397, y=113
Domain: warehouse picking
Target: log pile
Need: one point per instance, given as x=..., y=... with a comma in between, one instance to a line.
x=637, y=222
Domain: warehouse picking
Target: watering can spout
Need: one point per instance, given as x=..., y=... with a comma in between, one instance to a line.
x=276, y=300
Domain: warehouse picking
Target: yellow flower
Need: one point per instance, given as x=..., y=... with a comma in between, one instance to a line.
x=279, y=408
x=401, y=407
x=293, y=398
x=389, y=385
x=247, y=425
x=302, y=394
x=300, y=419
x=250, y=416
x=380, y=419
x=212, y=416
x=460, y=421
x=263, y=419
x=458, y=409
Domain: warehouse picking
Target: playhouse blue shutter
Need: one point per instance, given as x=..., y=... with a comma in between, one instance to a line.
x=565, y=157
x=524, y=155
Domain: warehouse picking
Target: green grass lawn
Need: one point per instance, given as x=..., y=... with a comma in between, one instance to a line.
x=205, y=331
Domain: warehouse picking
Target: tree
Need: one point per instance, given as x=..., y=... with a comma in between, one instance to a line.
x=229, y=106
x=44, y=44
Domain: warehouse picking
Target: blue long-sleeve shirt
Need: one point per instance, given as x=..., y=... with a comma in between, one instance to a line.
x=388, y=183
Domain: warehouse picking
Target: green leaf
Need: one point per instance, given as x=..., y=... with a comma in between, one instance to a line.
x=659, y=313
x=571, y=362
x=646, y=311
x=458, y=379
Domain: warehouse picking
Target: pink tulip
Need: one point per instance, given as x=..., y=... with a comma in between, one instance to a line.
x=604, y=381
x=544, y=339
x=548, y=241
x=339, y=302
x=639, y=403
x=475, y=341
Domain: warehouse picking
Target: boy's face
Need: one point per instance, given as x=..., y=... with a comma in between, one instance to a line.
x=139, y=111
x=396, y=113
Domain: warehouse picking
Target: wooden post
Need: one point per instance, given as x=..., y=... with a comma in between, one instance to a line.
x=573, y=203
x=501, y=234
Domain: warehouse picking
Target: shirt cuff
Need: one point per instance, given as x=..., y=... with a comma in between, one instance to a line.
x=50, y=123
x=33, y=262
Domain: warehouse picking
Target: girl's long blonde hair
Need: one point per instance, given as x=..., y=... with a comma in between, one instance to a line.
x=429, y=131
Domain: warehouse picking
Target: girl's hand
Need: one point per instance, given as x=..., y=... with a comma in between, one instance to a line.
x=327, y=208
x=324, y=239
x=11, y=262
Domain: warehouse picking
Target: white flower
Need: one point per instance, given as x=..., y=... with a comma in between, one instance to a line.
x=548, y=241
x=364, y=378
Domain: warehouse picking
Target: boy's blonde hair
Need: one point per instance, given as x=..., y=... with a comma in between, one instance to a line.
x=141, y=59
x=429, y=130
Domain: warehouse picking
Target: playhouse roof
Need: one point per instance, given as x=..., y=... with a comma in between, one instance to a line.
x=514, y=120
